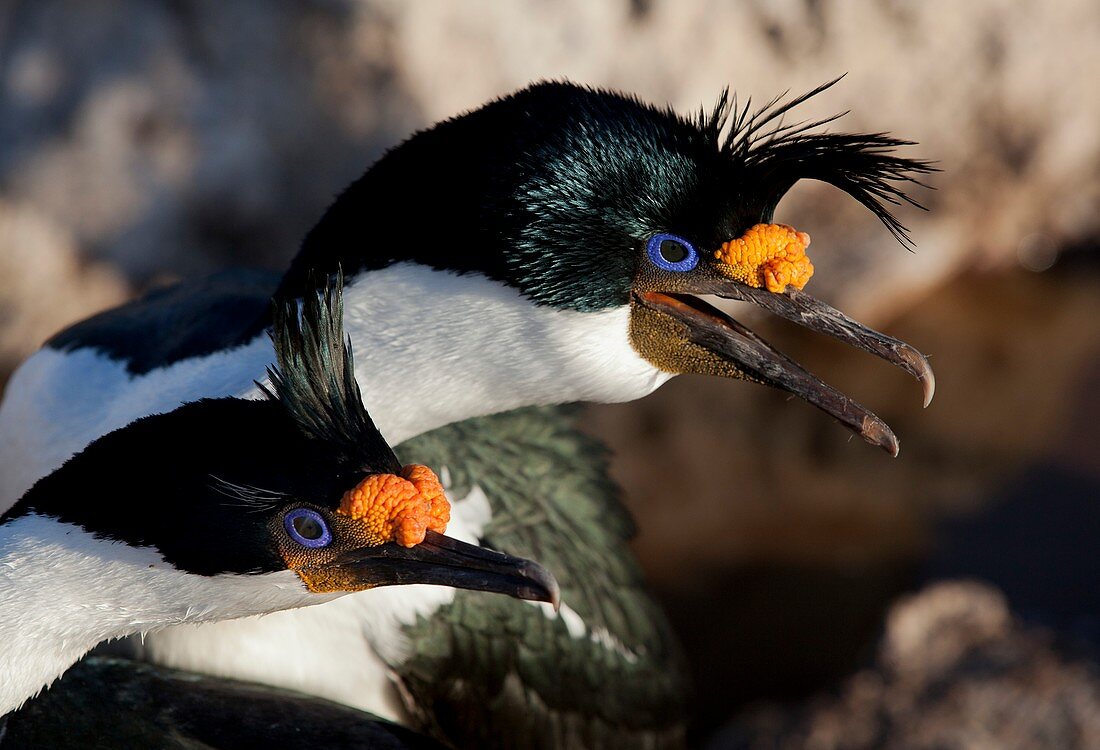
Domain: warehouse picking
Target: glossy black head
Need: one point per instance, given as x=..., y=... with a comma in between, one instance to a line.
x=556, y=188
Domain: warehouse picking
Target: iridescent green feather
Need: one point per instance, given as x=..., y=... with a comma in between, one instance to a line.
x=488, y=671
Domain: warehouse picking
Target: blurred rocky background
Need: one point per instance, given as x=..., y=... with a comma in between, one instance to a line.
x=143, y=141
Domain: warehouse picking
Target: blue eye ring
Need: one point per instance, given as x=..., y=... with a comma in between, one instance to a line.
x=654, y=248
x=297, y=524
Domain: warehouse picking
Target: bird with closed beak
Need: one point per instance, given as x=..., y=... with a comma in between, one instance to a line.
x=228, y=508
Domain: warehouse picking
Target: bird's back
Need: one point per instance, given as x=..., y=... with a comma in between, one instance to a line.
x=145, y=357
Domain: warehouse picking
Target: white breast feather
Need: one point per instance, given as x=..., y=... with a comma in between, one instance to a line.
x=62, y=591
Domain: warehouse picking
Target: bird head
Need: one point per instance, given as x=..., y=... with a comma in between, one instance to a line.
x=588, y=201
x=298, y=484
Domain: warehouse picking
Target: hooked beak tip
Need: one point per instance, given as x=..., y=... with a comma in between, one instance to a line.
x=445, y=561
x=546, y=586
x=808, y=311
x=917, y=364
x=928, y=382
x=877, y=432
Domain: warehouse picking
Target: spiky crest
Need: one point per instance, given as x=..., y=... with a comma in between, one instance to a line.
x=315, y=377
x=777, y=155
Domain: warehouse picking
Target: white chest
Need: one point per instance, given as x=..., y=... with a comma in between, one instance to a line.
x=62, y=591
x=434, y=347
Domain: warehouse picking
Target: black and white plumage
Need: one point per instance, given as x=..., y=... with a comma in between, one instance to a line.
x=525, y=281
x=189, y=517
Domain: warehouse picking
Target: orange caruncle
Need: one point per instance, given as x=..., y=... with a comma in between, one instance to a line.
x=431, y=489
x=768, y=255
x=398, y=508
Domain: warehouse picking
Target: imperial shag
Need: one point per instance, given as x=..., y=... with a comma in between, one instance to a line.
x=222, y=509
x=543, y=249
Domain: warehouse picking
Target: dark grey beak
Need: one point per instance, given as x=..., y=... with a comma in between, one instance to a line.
x=812, y=313
x=708, y=328
x=445, y=561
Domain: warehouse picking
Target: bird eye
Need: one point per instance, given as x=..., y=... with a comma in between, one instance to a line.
x=671, y=253
x=307, y=527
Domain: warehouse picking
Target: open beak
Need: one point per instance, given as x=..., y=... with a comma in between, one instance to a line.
x=806, y=310
x=445, y=561
x=721, y=340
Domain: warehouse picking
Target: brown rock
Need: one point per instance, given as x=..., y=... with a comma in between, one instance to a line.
x=45, y=283
x=955, y=671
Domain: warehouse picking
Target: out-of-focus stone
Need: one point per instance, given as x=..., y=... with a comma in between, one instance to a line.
x=46, y=284
x=180, y=138
x=955, y=671
x=927, y=636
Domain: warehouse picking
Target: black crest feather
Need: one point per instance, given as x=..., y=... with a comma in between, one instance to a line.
x=315, y=377
x=777, y=155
